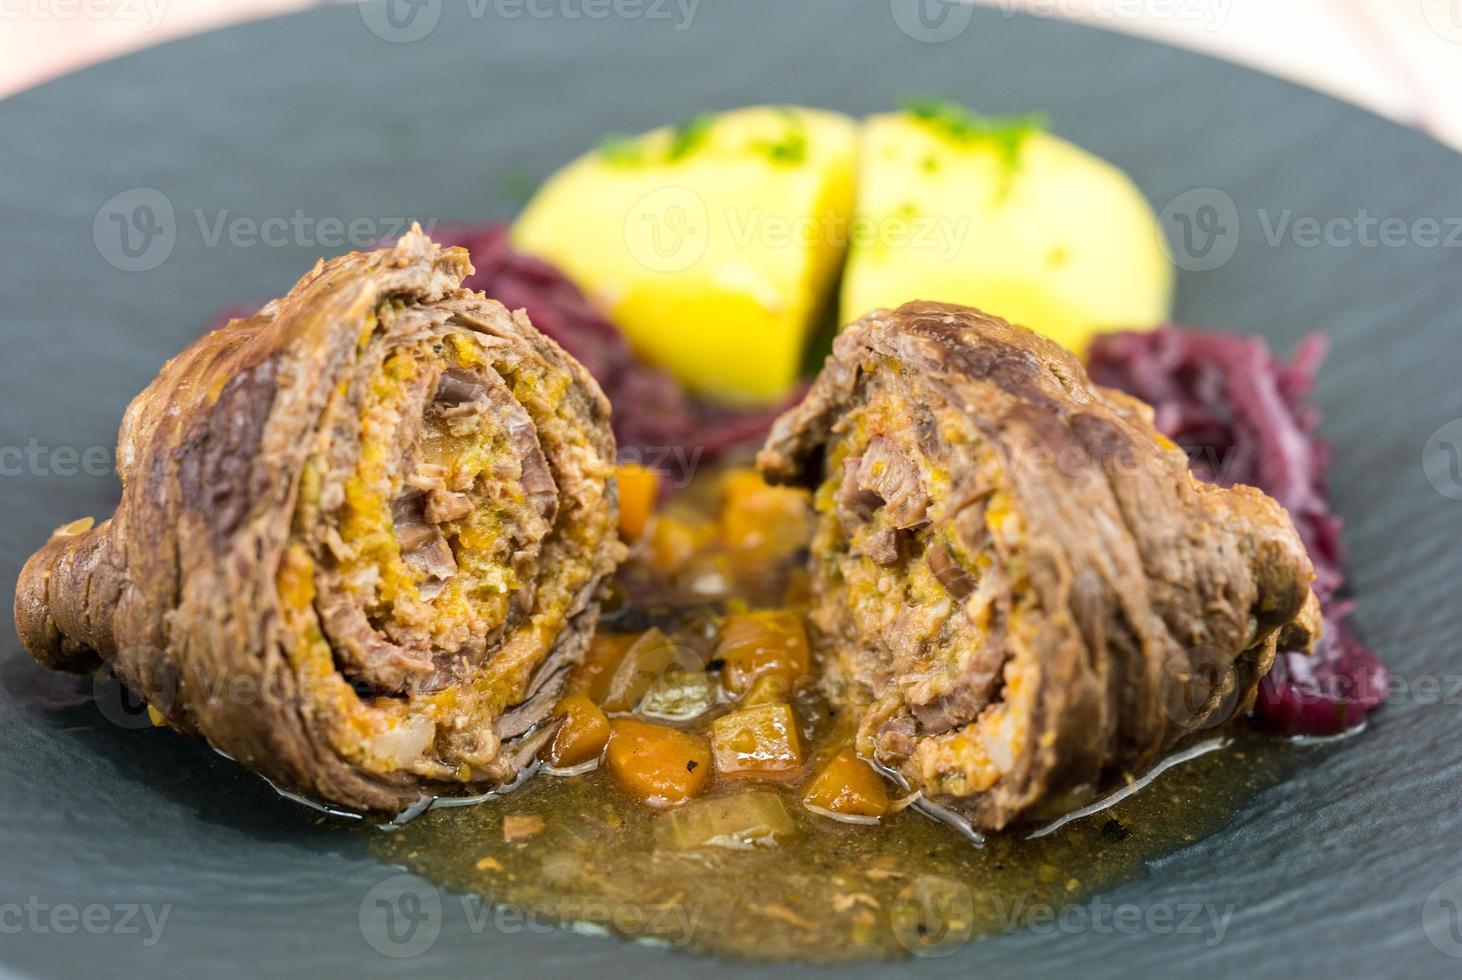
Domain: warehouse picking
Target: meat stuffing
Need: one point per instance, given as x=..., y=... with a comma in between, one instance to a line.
x=1017, y=585
x=361, y=539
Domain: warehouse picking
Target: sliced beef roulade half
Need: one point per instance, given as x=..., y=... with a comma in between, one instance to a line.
x=1018, y=587
x=361, y=538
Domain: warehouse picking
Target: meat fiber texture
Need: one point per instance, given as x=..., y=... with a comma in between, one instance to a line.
x=361, y=539
x=1243, y=416
x=1019, y=588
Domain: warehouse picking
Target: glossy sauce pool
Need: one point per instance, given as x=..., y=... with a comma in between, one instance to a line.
x=578, y=851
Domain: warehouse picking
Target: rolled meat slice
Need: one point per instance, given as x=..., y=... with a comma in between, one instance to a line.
x=1018, y=588
x=361, y=538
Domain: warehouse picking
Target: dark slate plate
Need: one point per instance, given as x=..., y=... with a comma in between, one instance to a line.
x=1346, y=869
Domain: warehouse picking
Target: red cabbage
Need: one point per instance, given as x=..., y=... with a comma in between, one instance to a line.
x=1244, y=416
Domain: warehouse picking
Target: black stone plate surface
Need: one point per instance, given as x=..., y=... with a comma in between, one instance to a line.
x=134, y=199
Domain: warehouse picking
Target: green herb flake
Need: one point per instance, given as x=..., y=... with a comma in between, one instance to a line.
x=1007, y=134
x=620, y=150
x=689, y=135
x=791, y=148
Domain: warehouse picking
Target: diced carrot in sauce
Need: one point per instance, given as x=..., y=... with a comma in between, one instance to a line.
x=581, y=735
x=757, y=644
x=639, y=486
x=659, y=766
x=591, y=676
x=847, y=786
x=759, y=741
x=675, y=541
x=758, y=516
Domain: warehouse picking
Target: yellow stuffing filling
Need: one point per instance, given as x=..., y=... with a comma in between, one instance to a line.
x=936, y=636
x=446, y=734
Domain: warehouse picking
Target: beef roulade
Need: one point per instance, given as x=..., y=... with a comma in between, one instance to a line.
x=361, y=538
x=1018, y=587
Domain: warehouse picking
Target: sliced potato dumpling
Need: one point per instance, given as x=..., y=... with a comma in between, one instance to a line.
x=713, y=245
x=1000, y=215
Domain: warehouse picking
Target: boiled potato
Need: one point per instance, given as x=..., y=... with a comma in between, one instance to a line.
x=1005, y=217
x=713, y=245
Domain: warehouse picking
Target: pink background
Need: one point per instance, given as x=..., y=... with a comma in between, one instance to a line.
x=1402, y=58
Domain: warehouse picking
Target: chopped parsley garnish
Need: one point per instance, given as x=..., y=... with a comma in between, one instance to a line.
x=792, y=147
x=627, y=151
x=689, y=135
x=1007, y=134
x=620, y=150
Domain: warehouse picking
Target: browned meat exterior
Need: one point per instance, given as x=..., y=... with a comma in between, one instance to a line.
x=1017, y=585
x=361, y=538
